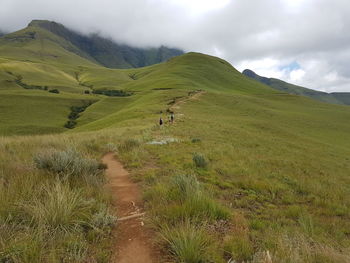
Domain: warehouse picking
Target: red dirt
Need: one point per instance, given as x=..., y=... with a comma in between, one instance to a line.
x=132, y=240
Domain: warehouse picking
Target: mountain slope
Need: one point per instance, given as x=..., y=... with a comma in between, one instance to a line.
x=107, y=52
x=94, y=48
x=335, y=98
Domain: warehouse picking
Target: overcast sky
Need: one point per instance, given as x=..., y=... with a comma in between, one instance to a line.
x=305, y=42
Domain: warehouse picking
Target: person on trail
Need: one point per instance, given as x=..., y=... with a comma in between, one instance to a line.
x=172, y=117
x=160, y=121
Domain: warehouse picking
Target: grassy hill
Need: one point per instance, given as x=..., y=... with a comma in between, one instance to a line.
x=335, y=98
x=248, y=169
x=107, y=52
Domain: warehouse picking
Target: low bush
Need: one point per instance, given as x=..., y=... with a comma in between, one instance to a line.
x=113, y=93
x=69, y=163
x=54, y=91
x=70, y=124
x=199, y=160
x=195, y=140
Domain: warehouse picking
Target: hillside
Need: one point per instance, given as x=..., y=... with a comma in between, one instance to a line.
x=105, y=51
x=243, y=170
x=335, y=98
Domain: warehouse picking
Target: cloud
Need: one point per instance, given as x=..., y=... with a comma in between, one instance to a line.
x=264, y=35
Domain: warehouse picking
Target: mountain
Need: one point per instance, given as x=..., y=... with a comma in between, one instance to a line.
x=107, y=52
x=342, y=98
x=93, y=47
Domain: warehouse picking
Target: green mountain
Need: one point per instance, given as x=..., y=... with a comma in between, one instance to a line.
x=96, y=48
x=342, y=98
x=244, y=169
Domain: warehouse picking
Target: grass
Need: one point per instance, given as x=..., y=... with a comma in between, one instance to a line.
x=277, y=162
x=189, y=243
x=57, y=212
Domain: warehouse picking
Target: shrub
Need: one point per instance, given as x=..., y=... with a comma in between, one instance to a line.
x=195, y=140
x=67, y=162
x=103, y=219
x=54, y=91
x=189, y=243
x=199, y=161
x=113, y=93
x=70, y=124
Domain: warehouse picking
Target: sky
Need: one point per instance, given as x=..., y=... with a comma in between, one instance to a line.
x=305, y=42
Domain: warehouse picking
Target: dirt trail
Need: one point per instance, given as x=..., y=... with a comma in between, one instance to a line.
x=132, y=238
x=194, y=96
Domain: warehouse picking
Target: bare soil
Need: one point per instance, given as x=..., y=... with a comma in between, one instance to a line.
x=133, y=241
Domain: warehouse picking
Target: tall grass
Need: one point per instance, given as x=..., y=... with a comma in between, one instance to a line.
x=58, y=207
x=181, y=210
x=189, y=243
x=183, y=198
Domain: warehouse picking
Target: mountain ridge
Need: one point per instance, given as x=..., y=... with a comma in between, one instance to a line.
x=106, y=51
x=97, y=49
x=342, y=98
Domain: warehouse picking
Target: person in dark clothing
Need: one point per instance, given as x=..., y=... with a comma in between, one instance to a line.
x=160, y=121
x=172, y=117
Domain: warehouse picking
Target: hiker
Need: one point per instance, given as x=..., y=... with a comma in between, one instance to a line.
x=172, y=117
x=160, y=121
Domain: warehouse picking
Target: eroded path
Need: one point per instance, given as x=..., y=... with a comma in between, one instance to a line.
x=133, y=242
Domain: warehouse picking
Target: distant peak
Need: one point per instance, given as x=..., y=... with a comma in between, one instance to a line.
x=37, y=22
x=249, y=73
x=46, y=24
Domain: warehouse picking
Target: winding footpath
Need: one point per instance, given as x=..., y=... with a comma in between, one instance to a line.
x=132, y=239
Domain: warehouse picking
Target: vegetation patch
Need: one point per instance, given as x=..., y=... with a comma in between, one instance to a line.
x=189, y=243
x=128, y=145
x=54, y=91
x=75, y=114
x=57, y=213
x=67, y=163
x=181, y=210
x=199, y=160
x=113, y=93
x=162, y=88
x=19, y=82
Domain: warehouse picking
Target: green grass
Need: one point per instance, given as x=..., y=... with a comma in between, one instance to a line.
x=279, y=160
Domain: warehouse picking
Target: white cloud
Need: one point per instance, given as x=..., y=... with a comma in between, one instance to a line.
x=296, y=76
